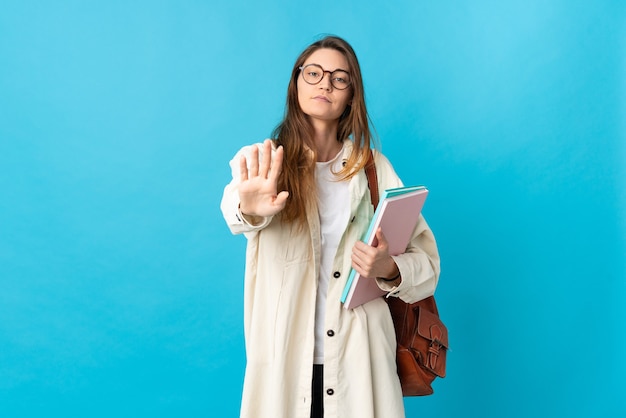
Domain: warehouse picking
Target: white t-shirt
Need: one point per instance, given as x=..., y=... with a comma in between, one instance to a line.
x=334, y=211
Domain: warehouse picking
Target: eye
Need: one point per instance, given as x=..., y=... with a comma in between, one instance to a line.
x=341, y=78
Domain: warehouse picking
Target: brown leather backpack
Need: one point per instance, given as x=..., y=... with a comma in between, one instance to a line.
x=422, y=339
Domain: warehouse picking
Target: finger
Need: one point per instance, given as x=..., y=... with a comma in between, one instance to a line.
x=266, y=159
x=281, y=199
x=363, y=250
x=362, y=258
x=243, y=168
x=356, y=260
x=361, y=268
x=359, y=246
x=277, y=163
x=382, y=241
x=254, y=162
x=356, y=252
x=357, y=265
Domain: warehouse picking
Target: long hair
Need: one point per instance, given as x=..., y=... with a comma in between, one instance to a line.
x=295, y=134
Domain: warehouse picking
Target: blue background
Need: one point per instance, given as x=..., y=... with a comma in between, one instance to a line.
x=121, y=287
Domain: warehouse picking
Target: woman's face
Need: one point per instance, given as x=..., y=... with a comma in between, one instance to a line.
x=323, y=101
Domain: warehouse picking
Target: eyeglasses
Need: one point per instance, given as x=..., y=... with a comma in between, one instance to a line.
x=313, y=74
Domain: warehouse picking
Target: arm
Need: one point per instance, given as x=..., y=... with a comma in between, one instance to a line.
x=411, y=276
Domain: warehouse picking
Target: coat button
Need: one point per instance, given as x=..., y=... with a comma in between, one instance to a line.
x=330, y=392
x=330, y=333
x=336, y=275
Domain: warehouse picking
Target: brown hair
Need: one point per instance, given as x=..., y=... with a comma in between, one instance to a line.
x=295, y=134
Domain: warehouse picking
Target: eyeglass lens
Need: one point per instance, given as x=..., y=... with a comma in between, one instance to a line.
x=313, y=74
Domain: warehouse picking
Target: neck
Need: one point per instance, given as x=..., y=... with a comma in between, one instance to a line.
x=326, y=144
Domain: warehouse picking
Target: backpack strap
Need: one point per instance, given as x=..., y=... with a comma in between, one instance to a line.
x=372, y=178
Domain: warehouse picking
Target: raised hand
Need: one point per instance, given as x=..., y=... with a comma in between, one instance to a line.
x=258, y=188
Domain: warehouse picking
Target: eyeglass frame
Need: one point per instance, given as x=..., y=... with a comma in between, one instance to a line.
x=302, y=67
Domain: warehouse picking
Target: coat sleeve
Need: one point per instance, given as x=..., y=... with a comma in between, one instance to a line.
x=419, y=265
x=236, y=221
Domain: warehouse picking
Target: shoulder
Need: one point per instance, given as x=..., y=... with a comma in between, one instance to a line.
x=387, y=176
x=382, y=162
x=380, y=159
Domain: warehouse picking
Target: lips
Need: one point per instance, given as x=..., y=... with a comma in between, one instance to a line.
x=322, y=98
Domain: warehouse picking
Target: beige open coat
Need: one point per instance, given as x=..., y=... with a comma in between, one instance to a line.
x=281, y=273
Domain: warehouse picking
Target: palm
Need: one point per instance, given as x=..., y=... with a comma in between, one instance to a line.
x=258, y=188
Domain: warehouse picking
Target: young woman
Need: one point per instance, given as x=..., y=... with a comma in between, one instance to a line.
x=303, y=202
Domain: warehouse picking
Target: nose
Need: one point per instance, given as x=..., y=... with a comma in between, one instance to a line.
x=325, y=82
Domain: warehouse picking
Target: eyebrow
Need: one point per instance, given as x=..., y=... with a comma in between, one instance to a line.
x=319, y=65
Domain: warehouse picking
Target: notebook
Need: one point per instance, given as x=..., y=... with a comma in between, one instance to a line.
x=397, y=214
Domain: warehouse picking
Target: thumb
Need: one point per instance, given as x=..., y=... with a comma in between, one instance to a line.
x=281, y=199
x=380, y=238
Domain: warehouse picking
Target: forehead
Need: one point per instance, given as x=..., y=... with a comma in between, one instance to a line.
x=329, y=59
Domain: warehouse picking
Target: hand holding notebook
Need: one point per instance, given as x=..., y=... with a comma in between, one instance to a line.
x=397, y=215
